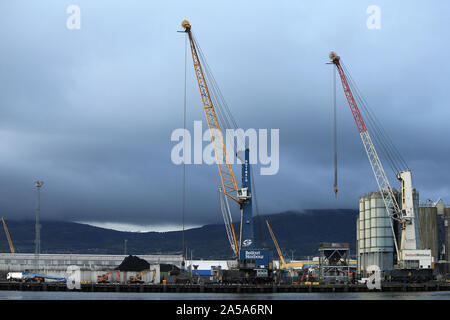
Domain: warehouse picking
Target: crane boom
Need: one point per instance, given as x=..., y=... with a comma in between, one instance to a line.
x=225, y=170
x=283, y=263
x=229, y=185
x=8, y=237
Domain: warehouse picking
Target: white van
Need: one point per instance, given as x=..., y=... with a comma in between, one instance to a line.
x=14, y=276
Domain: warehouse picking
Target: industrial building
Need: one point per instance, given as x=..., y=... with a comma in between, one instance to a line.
x=90, y=265
x=375, y=233
x=434, y=220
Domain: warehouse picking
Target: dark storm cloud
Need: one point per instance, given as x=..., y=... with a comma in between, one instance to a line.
x=91, y=111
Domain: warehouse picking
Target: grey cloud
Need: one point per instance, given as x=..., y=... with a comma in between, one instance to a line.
x=91, y=111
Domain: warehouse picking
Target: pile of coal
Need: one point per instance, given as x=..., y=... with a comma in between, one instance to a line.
x=169, y=268
x=133, y=263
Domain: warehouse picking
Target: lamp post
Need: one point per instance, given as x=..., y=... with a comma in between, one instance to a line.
x=37, y=249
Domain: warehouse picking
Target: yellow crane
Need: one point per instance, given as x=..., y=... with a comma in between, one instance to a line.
x=293, y=265
x=283, y=264
x=229, y=185
x=11, y=247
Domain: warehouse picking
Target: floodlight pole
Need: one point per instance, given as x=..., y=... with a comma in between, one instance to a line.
x=37, y=242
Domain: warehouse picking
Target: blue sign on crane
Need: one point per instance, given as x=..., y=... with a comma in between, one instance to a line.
x=245, y=194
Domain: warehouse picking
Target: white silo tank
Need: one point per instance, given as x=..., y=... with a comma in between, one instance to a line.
x=381, y=234
x=361, y=234
x=367, y=243
x=358, y=266
x=368, y=230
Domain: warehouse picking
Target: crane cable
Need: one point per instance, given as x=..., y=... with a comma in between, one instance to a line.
x=392, y=151
x=381, y=137
x=371, y=122
x=335, y=187
x=258, y=219
x=184, y=147
x=224, y=114
x=226, y=119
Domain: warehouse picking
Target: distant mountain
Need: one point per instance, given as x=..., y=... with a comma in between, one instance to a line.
x=298, y=231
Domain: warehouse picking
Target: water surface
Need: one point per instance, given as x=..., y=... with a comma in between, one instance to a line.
x=45, y=295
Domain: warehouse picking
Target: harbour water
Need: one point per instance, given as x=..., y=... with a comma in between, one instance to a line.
x=45, y=295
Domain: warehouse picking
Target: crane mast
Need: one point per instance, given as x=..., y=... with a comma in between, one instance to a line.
x=229, y=185
x=406, y=214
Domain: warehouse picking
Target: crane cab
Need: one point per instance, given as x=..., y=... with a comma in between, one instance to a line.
x=243, y=194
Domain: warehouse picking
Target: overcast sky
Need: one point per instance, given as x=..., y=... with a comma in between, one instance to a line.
x=90, y=111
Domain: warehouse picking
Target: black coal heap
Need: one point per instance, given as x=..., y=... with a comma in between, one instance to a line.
x=133, y=263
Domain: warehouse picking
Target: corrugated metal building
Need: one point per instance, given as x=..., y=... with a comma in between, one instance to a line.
x=434, y=230
x=90, y=265
x=26, y=261
x=429, y=230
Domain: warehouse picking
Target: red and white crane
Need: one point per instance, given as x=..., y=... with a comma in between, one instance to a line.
x=409, y=254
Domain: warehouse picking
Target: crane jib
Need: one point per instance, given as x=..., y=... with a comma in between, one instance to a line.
x=351, y=100
x=225, y=170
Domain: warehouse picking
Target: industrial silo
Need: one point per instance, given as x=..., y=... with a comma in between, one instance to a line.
x=361, y=237
x=376, y=241
x=367, y=242
x=382, y=238
x=357, y=245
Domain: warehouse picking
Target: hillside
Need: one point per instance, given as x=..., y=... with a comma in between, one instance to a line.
x=299, y=231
